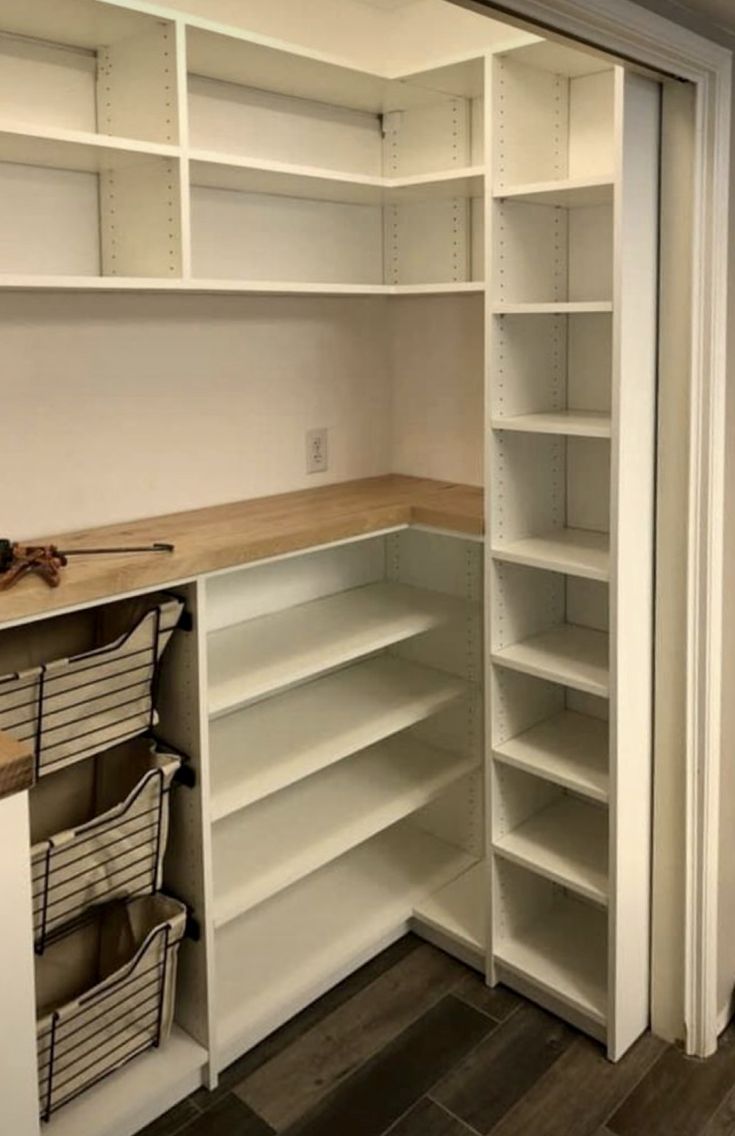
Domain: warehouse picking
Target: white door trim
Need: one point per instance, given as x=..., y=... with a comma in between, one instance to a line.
x=624, y=29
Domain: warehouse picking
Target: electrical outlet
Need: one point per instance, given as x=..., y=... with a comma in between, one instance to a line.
x=317, y=455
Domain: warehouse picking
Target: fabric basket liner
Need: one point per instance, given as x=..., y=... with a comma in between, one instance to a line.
x=117, y=854
x=70, y=709
x=130, y=1010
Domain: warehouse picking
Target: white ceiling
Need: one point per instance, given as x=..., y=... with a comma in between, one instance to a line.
x=388, y=5
x=721, y=11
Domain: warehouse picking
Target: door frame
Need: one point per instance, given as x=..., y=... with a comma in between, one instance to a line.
x=627, y=31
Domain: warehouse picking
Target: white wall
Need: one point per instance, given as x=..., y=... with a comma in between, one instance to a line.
x=437, y=363
x=116, y=407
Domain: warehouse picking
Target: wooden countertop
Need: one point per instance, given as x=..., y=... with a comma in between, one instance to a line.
x=227, y=535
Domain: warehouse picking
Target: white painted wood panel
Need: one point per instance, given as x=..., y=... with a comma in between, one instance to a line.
x=263, y=748
x=325, y=926
x=257, y=124
x=573, y=656
x=569, y=749
x=295, y=832
x=49, y=222
x=43, y=84
x=454, y=916
x=261, y=237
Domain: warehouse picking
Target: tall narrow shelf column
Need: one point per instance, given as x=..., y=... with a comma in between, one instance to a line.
x=571, y=376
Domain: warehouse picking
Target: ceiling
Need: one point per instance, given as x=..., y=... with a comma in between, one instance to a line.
x=388, y=5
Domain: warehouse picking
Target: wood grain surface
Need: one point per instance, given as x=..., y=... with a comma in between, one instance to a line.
x=16, y=765
x=227, y=535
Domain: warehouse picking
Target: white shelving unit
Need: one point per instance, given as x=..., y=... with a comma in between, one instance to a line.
x=346, y=766
x=354, y=781
x=571, y=376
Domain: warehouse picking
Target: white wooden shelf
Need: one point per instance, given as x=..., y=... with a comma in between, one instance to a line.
x=570, y=749
x=570, y=423
x=261, y=749
x=571, y=655
x=280, y=840
x=567, y=843
x=137, y=1093
x=553, y=307
x=455, y=917
x=76, y=149
x=567, y=193
x=223, y=171
x=564, y=954
x=312, y=935
x=263, y=655
x=21, y=283
x=575, y=552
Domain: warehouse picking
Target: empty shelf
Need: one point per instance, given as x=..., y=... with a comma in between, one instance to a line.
x=260, y=749
x=454, y=916
x=569, y=749
x=552, y=307
x=570, y=423
x=564, y=954
x=265, y=654
x=576, y=552
x=565, y=842
x=136, y=1093
x=567, y=193
x=290, y=834
x=571, y=655
x=305, y=939
x=224, y=171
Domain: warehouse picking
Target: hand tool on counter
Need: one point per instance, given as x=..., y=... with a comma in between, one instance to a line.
x=46, y=560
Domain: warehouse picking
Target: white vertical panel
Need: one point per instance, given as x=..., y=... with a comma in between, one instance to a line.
x=528, y=365
x=427, y=139
x=18, y=1076
x=591, y=253
x=530, y=253
x=428, y=242
x=140, y=210
x=136, y=85
x=634, y=419
x=588, y=484
x=592, y=125
x=188, y=864
x=182, y=114
x=531, y=109
x=590, y=362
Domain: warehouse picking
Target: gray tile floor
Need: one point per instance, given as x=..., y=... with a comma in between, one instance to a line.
x=414, y=1044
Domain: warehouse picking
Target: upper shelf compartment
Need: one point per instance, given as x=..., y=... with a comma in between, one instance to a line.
x=556, y=132
x=84, y=66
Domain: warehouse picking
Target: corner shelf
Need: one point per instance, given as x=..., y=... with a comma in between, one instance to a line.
x=567, y=423
x=263, y=655
x=264, y=748
x=294, y=833
x=217, y=170
x=566, y=842
x=569, y=749
x=309, y=937
x=455, y=915
x=574, y=552
x=571, y=655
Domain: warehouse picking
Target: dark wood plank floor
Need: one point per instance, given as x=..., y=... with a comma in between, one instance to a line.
x=414, y=1044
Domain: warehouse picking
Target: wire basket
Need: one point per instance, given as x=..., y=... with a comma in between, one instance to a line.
x=115, y=854
x=83, y=1037
x=73, y=708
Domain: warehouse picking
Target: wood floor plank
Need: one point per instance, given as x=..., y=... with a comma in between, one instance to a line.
x=506, y=1066
x=290, y=1033
x=386, y=1087
x=723, y=1121
x=499, y=1002
x=291, y=1083
x=429, y=1119
x=173, y=1121
x=680, y=1095
x=228, y=1117
x=580, y=1090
